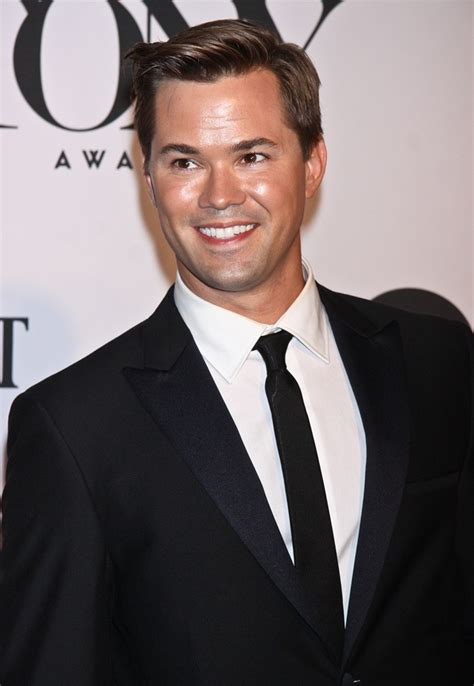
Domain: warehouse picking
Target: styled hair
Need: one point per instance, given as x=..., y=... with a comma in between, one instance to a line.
x=227, y=47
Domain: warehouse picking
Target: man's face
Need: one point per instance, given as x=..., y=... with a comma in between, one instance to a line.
x=229, y=182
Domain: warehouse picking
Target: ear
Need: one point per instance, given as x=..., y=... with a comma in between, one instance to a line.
x=149, y=186
x=315, y=166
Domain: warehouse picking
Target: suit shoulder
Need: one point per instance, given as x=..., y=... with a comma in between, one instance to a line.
x=411, y=323
x=96, y=369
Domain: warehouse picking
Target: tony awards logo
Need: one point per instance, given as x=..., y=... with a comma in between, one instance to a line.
x=28, y=70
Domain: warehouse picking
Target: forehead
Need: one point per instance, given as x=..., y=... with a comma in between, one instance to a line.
x=233, y=106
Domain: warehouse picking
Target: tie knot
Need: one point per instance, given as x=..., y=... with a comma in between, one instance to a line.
x=273, y=349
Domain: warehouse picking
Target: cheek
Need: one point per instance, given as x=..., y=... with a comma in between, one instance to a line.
x=278, y=196
x=267, y=190
x=187, y=191
x=282, y=188
x=176, y=198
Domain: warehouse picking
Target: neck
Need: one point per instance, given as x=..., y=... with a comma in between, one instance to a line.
x=264, y=303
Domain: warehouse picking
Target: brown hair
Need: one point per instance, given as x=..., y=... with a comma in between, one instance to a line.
x=227, y=47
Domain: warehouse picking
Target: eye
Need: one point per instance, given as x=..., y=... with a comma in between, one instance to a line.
x=254, y=158
x=184, y=163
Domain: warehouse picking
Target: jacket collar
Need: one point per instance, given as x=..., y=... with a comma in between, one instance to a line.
x=372, y=353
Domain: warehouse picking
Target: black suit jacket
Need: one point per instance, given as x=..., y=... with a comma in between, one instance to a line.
x=139, y=547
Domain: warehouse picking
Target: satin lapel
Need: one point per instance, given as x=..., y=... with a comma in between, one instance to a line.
x=373, y=359
x=177, y=389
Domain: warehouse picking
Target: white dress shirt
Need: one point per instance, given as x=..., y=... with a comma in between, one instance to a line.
x=225, y=340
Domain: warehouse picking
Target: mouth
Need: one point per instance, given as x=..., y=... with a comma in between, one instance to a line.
x=225, y=233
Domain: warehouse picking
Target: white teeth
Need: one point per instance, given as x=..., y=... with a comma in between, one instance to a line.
x=227, y=232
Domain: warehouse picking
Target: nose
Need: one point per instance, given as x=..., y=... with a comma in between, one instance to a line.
x=221, y=189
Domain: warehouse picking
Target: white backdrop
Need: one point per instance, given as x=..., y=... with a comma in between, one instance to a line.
x=81, y=256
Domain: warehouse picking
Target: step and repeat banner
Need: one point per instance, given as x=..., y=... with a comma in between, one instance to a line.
x=82, y=258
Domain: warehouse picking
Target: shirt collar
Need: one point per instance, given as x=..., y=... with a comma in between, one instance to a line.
x=225, y=339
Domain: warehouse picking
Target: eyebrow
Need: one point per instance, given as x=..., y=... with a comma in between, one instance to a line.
x=241, y=146
x=179, y=147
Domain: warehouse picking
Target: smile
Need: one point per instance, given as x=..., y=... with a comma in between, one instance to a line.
x=226, y=232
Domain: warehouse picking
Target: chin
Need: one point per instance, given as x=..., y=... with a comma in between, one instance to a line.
x=231, y=282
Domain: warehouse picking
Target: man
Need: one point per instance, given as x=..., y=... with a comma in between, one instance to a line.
x=265, y=482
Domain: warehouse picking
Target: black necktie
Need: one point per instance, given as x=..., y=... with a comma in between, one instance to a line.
x=313, y=541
